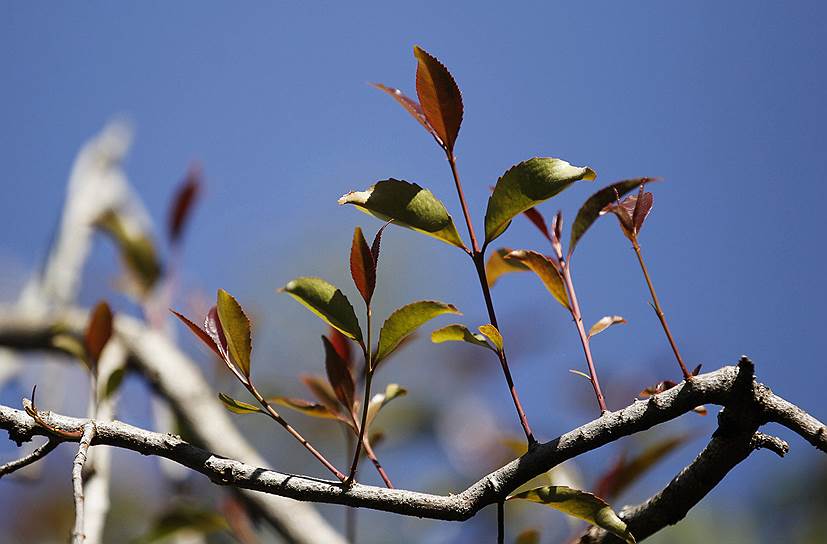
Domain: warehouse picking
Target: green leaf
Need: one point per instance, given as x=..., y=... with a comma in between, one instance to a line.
x=579, y=504
x=439, y=97
x=497, y=265
x=604, y=323
x=380, y=400
x=491, y=332
x=408, y=205
x=362, y=266
x=593, y=207
x=114, y=382
x=405, y=321
x=545, y=270
x=327, y=302
x=237, y=406
x=73, y=346
x=236, y=329
x=136, y=250
x=524, y=186
x=182, y=518
x=459, y=333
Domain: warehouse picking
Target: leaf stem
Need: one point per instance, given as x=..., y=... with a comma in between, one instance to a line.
x=368, y=379
x=375, y=460
x=565, y=268
x=658, y=310
x=478, y=256
x=280, y=420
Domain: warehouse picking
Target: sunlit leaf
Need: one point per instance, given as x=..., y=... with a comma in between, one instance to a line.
x=642, y=208
x=492, y=333
x=362, y=266
x=459, y=333
x=306, y=407
x=524, y=186
x=410, y=105
x=183, y=518
x=627, y=471
x=98, y=332
x=323, y=392
x=408, y=205
x=338, y=374
x=380, y=400
x=136, y=250
x=659, y=387
x=579, y=504
x=73, y=346
x=439, y=97
x=200, y=333
x=236, y=329
x=604, y=323
x=327, y=302
x=529, y=536
x=497, y=265
x=182, y=204
x=213, y=328
x=545, y=269
x=700, y=410
x=238, y=406
x=590, y=211
x=405, y=321
x=581, y=374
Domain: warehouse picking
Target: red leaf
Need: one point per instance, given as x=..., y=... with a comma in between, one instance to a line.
x=411, y=105
x=697, y=370
x=212, y=326
x=362, y=266
x=377, y=242
x=439, y=98
x=98, y=332
x=323, y=392
x=338, y=374
x=539, y=221
x=200, y=333
x=182, y=203
x=642, y=208
x=659, y=387
x=342, y=345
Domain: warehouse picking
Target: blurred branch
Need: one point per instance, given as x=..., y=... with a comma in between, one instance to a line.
x=78, y=536
x=36, y=455
x=747, y=406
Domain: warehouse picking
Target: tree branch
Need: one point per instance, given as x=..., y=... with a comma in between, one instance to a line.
x=36, y=455
x=78, y=536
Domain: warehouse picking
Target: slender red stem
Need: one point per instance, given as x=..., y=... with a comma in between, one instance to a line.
x=584, y=338
x=478, y=257
x=659, y=311
x=375, y=460
x=368, y=379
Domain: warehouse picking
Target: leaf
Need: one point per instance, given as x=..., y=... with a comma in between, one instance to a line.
x=497, y=265
x=323, y=392
x=529, y=536
x=380, y=400
x=579, y=504
x=306, y=407
x=604, y=323
x=537, y=219
x=338, y=375
x=182, y=204
x=362, y=266
x=524, y=186
x=411, y=106
x=581, y=374
x=642, y=208
x=213, y=328
x=342, y=345
x=377, y=242
x=327, y=302
x=545, y=269
x=237, y=406
x=590, y=211
x=439, y=98
x=408, y=205
x=114, y=382
x=697, y=370
x=659, y=387
x=405, y=321
x=136, y=250
x=200, y=333
x=492, y=333
x=98, y=332
x=236, y=329
x=73, y=346
x=183, y=518
x=459, y=333
x=626, y=471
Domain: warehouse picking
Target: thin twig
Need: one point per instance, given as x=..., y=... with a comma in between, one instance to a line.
x=365, y=404
x=78, y=536
x=36, y=455
x=500, y=522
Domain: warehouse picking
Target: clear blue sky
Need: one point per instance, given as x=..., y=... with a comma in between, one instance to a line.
x=724, y=101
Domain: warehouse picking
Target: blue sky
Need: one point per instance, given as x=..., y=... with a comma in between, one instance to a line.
x=724, y=101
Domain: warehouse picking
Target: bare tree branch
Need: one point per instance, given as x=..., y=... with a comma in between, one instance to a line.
x=78, y=536
x=39, y=453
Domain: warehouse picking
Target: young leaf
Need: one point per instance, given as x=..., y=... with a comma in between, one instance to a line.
x=491, y=332
x=497, y=265
x=439, y=98
x=590, y=211
x=537, y=219
x=380, y=400
x=412, y=107
x=545, y=270
x=236, y=329
x=377, y=242
x=342, y=345
x=182, y=204
x=524, y=186
x=213, y=328
x=459, y=333
x=183, y=519
x=114, y=382
x=408, y=205
x=659, y=387
x=136, y=250
x=604, y=323
x=643, y=206
x=581, y=505
x=338, y=375
x=98, y=332
x=362, y=266
x=237, y=406
x=312, y=409
x=200, y=333
x=405, y=321
x=327, y=302
x=581, y=374
x=626, y=471
x=324, y=393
